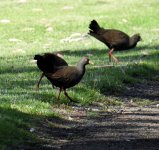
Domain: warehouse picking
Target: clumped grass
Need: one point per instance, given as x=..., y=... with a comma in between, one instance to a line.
x=24, y=33
x=145, y=102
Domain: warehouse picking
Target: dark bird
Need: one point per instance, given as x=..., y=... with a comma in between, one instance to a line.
x=49, y=63
x=114, y=39
x=68, y=76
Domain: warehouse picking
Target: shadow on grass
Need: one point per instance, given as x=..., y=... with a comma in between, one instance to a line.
x=17, y=70
x=109, y=81
x=132, y=81
x=17, y=64
x=15, y=129
x=101, y=52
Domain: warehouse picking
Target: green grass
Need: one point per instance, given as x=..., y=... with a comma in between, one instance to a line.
x=20, y=105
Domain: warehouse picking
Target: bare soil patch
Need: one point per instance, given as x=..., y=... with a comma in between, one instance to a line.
x=126, y=127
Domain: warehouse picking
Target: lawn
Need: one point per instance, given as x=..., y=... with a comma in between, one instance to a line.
x=37, y=26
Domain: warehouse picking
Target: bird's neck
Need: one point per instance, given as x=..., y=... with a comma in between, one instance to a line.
x=132, y=42
x=81, y=67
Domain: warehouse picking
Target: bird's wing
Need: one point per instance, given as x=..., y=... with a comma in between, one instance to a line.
x=113, y=36
x=49, y=62
x=64, y=75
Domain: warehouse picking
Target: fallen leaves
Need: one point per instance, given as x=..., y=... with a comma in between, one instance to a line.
x=14, y=40
x=32, y=129
x=19, y=51
x=68, y=8
x=37, y=10
x=49, y=29
x=28, y=29
x=5, y=21
x=22, y=1
x=75, y=37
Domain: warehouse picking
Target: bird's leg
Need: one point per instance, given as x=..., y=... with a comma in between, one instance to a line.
x=68, y=96
x=53, y=86
x=58, y=97
x=37, y=86
x=112, y=56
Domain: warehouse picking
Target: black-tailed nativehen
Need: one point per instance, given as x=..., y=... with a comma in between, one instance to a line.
x=49, y=63
x=114, y=39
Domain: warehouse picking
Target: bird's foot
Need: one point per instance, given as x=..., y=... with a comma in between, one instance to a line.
x=36, y=87
x=75, y=104
x=115, y=59
x=112, y=57
x=73, y=101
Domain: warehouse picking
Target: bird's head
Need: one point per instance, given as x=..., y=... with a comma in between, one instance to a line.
x=38, y=57
x=87, y=61
x=138, y=37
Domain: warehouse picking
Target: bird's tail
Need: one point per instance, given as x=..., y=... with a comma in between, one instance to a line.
x=94, y=26
x=38, y=57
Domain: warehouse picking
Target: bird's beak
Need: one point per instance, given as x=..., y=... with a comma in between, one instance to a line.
x=90, y=62
x=59, y=55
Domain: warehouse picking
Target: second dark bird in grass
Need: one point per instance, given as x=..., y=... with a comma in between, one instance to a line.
x=68, y=76
x=49, y=63
x=114, y=39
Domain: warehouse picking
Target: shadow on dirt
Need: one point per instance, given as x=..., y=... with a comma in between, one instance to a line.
x=128, y=131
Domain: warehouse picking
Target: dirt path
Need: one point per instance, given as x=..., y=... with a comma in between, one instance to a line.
x=128, y=127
